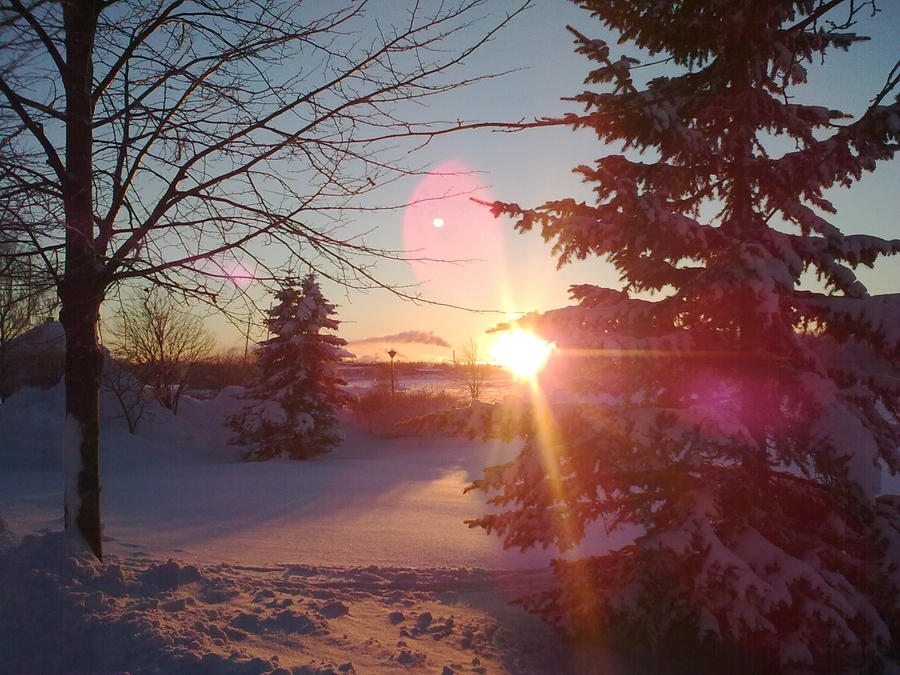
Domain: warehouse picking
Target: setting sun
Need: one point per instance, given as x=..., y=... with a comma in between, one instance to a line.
x=522, y=353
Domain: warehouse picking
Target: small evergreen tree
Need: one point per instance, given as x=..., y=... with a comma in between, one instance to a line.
x=297, y=390
x=740, y=418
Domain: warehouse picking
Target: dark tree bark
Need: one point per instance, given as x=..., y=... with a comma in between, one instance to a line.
x=82, y=381
x=81, y=290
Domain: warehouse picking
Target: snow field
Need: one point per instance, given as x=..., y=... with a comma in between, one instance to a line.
x=356, y=561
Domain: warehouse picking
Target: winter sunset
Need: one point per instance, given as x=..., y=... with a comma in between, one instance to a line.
x=551, y=337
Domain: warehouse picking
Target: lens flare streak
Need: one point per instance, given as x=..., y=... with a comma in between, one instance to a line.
x=550, y=443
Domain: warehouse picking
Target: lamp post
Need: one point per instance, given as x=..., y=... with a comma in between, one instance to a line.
x=247, y=337
x=392, y=353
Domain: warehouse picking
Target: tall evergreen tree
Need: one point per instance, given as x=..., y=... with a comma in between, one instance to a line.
x=740, y=415
x=297, y=390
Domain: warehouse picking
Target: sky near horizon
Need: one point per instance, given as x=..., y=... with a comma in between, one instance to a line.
x=504, y=273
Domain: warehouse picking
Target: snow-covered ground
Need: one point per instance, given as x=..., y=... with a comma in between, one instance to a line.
x=176, y=488
x=62, y=612
x=358, y=557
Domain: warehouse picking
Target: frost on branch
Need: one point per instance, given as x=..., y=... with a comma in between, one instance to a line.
x=297, y=390
x=739, y=420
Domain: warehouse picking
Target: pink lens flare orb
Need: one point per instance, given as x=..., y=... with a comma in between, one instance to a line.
x=453, y=244
x=240, y=275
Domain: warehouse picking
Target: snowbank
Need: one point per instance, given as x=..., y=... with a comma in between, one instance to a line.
x=160, y=617
x=32, y=420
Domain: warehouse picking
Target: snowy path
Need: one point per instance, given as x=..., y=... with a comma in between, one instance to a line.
x=394, y=502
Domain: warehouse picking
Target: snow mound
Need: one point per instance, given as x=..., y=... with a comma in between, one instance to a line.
x=33, y=419
x=48, y=337
x=155, y=617
x=35, y=358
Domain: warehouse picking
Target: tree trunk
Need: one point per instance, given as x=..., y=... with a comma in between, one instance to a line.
x=83, y=367
x=82, y=289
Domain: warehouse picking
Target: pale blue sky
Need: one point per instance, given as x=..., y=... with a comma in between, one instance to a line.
x=531, y=167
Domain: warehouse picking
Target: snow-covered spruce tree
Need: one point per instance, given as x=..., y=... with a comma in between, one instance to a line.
x=297, y=390
x=739, y=413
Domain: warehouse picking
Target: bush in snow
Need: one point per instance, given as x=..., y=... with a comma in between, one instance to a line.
x=383, y=413
x=297, y=390
x=734, y=417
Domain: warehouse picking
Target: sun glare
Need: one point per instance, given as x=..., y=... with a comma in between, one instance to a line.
x=438, y=222
x=522, y=353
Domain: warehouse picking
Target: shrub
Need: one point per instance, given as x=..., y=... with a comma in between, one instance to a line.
x=380, y=413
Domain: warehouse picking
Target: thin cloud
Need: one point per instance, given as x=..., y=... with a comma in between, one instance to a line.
x=407, y=337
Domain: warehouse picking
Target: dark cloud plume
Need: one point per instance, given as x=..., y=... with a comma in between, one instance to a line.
x=407, y=337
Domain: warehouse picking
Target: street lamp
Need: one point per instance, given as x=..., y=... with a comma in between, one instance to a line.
x=392, y=353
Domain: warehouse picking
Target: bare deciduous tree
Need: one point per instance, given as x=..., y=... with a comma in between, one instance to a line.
x=162, y=343
x=471, y=369
x=164, y=140
x=128, y=391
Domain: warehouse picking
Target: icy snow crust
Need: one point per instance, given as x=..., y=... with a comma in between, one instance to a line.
x=218, y=566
